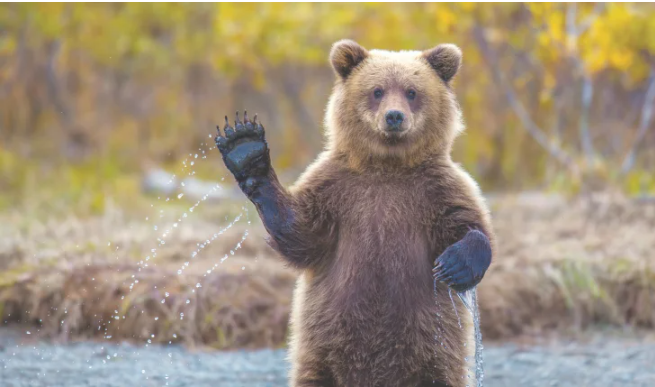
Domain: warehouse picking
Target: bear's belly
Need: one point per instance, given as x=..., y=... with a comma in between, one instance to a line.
x=375, y=339
x=371, y=315
x=380, y=318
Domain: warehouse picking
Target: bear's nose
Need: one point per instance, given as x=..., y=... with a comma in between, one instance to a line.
x=394, y=119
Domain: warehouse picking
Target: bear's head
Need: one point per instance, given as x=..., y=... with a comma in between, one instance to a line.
x=391, y=105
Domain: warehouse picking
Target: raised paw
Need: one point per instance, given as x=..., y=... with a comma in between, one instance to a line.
x=463, y=264
x=244, y=148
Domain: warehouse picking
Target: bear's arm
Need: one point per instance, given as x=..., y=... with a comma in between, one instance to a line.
x=467, y=235
x=461, y=218
x=299, y=225
x=459, y=207
x=463, y=234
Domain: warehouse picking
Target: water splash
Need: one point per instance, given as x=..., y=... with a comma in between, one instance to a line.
x=216, y=235
x=187, y=168
x=163, y=232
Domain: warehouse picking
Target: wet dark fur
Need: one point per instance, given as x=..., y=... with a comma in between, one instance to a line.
x=365, y=224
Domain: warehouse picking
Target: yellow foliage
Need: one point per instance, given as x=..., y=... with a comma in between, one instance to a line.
x=145, y=80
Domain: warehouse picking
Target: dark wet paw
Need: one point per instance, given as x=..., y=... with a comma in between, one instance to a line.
x=464, y=263
x=244, y=149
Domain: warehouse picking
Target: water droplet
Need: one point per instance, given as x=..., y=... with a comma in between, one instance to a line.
x=180, y=196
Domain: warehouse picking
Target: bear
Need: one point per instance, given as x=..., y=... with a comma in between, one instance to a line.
x=382, y=226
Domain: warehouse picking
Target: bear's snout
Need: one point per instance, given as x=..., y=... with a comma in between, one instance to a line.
x=394, y=120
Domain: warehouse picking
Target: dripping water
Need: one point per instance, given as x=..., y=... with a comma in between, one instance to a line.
x=459, y=321
x=470, y=301
x=438, y=336
x=467, y=360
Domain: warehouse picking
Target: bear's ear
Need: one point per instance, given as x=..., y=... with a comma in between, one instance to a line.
x=345, y=56
x=445, y=59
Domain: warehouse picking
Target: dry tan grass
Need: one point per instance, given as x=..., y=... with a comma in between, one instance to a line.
x=562, y=265
x=568, y=264
x=230, y=310
x=90, y=279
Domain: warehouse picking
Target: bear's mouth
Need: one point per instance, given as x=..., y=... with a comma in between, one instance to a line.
x=393, y=138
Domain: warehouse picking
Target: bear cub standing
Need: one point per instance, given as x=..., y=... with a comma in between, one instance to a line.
x=367, y=219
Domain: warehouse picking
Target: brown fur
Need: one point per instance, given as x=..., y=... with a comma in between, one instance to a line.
x=378, y=211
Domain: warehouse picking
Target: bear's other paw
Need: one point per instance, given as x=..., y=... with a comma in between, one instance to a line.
x=463, y=264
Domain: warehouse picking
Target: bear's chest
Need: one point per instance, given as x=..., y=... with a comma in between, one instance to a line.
x=384, y=250
x=394, y=205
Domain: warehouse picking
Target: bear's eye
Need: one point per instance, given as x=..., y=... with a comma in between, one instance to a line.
x=378, y=93
x=411, y=94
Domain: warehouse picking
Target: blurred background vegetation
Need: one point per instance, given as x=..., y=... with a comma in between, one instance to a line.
x=555, y=96
x=98, y=100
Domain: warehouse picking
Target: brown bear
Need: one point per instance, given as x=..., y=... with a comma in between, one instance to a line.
x=367, y=219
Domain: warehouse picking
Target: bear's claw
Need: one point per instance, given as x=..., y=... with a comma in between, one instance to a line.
x=244, y=148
